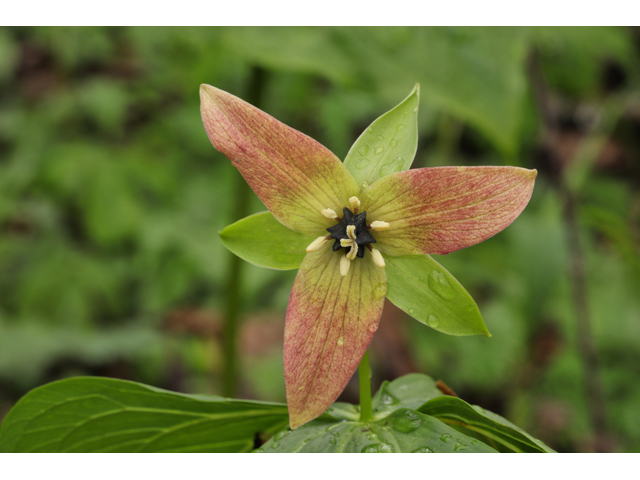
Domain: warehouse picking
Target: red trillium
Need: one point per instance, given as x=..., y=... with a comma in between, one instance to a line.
x=360, y=218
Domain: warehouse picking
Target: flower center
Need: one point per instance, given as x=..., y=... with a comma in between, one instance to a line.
x=352, y=233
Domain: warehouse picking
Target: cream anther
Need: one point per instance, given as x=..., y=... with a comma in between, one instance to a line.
x=327, y=212
x=377, y=257
x=345, y=263
x=355, y=203
x=317, y=243
x=379, y=226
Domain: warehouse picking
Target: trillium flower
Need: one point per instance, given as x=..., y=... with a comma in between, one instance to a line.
x=359, y=231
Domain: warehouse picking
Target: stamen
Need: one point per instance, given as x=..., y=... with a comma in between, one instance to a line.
x=379, y=226
x=327, y=212
x=355, y=204
x=345, y=263
x=351, y=232
x=377, y=257
x=353, y=252
x=317, y=243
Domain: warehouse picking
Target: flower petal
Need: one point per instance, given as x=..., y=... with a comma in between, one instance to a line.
x=330, y=322
x=294, y=176
x=443, y=209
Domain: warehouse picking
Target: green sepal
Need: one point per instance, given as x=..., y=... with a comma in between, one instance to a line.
x=262, y=240
x=388, y=145
x=108, y=415
x=429, y=293
x=486, y=426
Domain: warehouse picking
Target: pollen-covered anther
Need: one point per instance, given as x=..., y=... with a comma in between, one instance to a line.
x=350, y=242
x=329, y=213
x=377, y=257
x=355, y=203
x=345, y=263
x=379, y=226
x=318, y=243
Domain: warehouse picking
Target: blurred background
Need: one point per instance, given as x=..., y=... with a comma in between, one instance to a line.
x=111, y=200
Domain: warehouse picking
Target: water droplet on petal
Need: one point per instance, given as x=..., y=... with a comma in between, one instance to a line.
x=340, y=341
x=365, y=184
x=380, y=291
x=411, y=311
x=380, y=137
x=440, y=285
x=373, y=327
x=433, y=321
x=379, y=150
x=393, y=143
x=370, y=129
x=423, y=450
x=446, y=437
x=415, y=109
x=400, y=127
x=364, y=150
x=407, y=422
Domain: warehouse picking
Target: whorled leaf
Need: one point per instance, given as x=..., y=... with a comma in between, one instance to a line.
x=429, y=293
x=262, y=240
x=487, y=426
x=403, y=431
x=107, y=415
x=388, y=145
x=410, y=391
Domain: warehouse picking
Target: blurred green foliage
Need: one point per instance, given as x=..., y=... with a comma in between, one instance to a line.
x=111, y=200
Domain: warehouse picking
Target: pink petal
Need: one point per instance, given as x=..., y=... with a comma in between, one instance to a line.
x=443, y=209
x=330, y=322
x=294, y=176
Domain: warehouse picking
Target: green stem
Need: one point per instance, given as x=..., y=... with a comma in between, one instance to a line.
x=233, y=303
x=364, y=376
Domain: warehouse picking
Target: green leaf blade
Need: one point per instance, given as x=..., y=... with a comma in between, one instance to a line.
x=262, y=240
x=388, y=145
x=101, y=414
x=488, y=426
x=424, y=289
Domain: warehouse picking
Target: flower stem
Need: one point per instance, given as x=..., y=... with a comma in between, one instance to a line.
x=233, y=301
x=364, y=376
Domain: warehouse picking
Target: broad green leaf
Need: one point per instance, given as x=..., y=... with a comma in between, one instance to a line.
x=404, y=431
x=429, y=293
x=262, y=240
x=482, y=424
x=107, y=415
x=388, y=145
x=409, y=391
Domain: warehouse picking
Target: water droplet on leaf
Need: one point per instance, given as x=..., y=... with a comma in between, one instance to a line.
x=380, y=137
x=280, y=435
x=387, y=399
x=275, y=445
x=440, y=285
x=460, y=447
x=446, y=437
x=377, y=448
x=433, y=321
x=423, y=450
x=333, y=441
x=406, y=422
x=411, y=311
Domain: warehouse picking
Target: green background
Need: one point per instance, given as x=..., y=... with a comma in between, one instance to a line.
x=111, y=200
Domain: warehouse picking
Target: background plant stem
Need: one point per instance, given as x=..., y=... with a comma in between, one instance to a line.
x=364, y=377
x=242, y=195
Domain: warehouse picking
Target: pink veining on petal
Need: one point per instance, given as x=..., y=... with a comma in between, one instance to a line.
x=294, y=175
x=443, y=209
x=328, y=330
